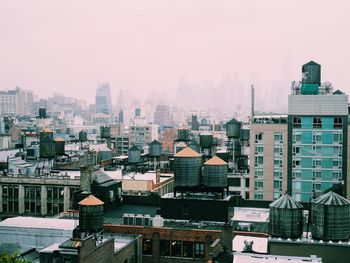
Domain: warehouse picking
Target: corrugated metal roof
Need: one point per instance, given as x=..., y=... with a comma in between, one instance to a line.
x=91, y=201
x=331, y=198
x=286, y=201
x=215, y=161
x=187, y=152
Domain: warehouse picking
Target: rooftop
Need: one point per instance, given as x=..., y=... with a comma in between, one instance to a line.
x=259, y=243
x=258, y=258
x=37, y=222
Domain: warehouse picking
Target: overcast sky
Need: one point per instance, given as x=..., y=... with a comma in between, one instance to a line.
x=147, y=45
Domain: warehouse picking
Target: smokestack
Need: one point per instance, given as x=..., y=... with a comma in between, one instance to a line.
x=252, y=102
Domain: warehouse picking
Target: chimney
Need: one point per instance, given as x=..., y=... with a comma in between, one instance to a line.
x=86, y=174
x=227, y=237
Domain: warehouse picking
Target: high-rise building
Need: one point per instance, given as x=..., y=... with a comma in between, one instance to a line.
x=103, y=98
x=317, y=136
x=121, y=116
x=162, y=115
x=12, y=102
x=304, y=153
x=142, y=135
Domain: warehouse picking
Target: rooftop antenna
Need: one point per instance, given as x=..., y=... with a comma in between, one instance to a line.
x=252, y=91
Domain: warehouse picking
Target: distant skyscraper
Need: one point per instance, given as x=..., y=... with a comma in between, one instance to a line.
x=103, y=98
x=137, y=112
x=121, y=116
x=162, y=115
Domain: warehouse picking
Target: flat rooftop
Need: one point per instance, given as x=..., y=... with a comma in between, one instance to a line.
x=259, y=243
x=248, y=214
x=39, y=223
x=258, y=258
x=197, y=196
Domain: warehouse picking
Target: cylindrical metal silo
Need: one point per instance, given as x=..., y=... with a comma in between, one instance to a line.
x=82, y=136
x=134, y=155
x=286, y=217
x=59, y=146
x=187, y=168
x=233, y=128
x=330, y=217
x=215, y=173
x=105, y=132
x=311, y=73
x=91, y=214
x=155, y=149
x=182, y=134
x=47, y=144
x=206, y=140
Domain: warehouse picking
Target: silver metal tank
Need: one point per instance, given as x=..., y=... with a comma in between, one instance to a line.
x=187, y=168
x=286, y=217
x=215, y=172
x=330, y=217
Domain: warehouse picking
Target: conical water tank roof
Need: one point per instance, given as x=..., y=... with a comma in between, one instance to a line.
x=215, y=161
x=91, y=200
x=286, y=201
x=187, y=152
x=331, y=198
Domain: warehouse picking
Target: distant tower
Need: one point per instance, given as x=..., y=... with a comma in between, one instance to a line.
x=103, y=98
x=137, y=112
x=121, y=116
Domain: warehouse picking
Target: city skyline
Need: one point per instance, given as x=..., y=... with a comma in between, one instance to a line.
x=62, y=48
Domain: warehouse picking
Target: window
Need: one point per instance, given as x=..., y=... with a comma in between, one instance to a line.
x=316, y=163
x=258, y=137
x=317, y=137
x=277, y=174
x=278, y=150
x=278, y=137
x=259, y=149
x=277, y=184
x=316, y=186
x=296, y=174
x=259, y=160
x=317, y=123
x=296, y=150
x=176, y=248
x=187, y=249
x=338, y=122
x=278, y=162
x=337, y=163
x=199, y=250
x=258, y=185
x=259, y=173
x=296, y=122
x=336, y=175
x=296, y=137
x=258, y=196
x=164, y=248
x=337, y=137
x=316, y=175
x=296, y=162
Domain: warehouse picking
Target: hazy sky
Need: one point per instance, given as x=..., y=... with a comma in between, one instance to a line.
x=70, y=46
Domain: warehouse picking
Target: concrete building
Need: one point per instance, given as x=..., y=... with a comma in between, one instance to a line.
x=12, y=102
x=142, y=135
x=268, y=156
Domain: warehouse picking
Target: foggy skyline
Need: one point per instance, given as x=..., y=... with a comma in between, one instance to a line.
x=148, y=47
